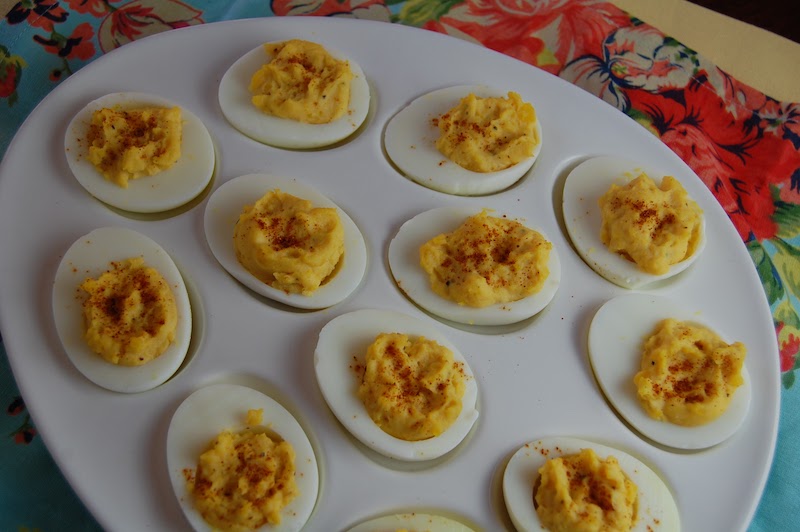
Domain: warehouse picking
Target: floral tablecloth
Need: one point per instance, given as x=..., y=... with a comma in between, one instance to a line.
x=743, y=144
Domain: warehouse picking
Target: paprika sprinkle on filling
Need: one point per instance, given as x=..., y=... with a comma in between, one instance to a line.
x=485, y=261
x=129, y=144
x=488, y=134
x=652, y=226
x=688, y=373
x=130, y=313
x=411, y=387
x=288, y=244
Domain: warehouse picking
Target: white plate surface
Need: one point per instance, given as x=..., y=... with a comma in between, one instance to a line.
x=535, y=380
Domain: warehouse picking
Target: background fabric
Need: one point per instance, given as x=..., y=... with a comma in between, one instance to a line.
x=744, y=145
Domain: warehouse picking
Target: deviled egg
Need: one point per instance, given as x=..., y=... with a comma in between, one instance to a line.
x=89, y=257
x=209, y=411
x=655, y=508
x=410, y=142
x=582, y=216
x=222, y=214
x=235, y=100
x=404, y=262
x=168, y=189
x=341, y=350
x=616, y=335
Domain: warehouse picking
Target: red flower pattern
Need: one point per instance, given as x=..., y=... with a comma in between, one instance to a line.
x=77, y=46
x=141, y=18
x=97, y=8
x=789, y=348
x=8, y=80
x=38, y=13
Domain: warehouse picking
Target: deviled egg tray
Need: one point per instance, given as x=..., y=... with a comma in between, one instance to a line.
x=534, y=378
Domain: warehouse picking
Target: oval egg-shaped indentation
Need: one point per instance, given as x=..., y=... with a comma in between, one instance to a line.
x=584, y=186
x=168, y=189
x=343, y=343
x=410, y=142
x=90, y=256
x=404, y=261
x=235, y=101
x=616, y=335
x=411, y=521
x=223, y=407
x=657, y=511
x=222, y=213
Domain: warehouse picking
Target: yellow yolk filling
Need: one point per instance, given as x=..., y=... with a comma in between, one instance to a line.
x=655, y=227
x=688, y=373
x=129, y=144
x=302, y=82
x=244, y=480
x=411, y=388
x=487, y=260
x=288, y=244
x=130, y=315
x=488, y=134
x=582, y=493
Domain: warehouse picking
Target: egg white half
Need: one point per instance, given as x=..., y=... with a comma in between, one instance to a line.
x=219, y=407
x=166, y=190
x=222, y=213
x=411, y=521
x=410, y=141
x=616, y=335
x=582, y=189
x=235, y=100
x=412, y=279
x=344, y=340
x=657, y=511
x=90, y=256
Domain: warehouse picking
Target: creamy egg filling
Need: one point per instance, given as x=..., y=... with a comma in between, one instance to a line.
x=130, y=314
x=655, y=227
x=244, y=480
x=411, y=388
x=582, y=493
x=488, y=134
x=688, y=373
x=129, y=144
x=288, y=244
x=302, y=82
x=485, y=261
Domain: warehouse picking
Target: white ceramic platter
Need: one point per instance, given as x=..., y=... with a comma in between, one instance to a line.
x=535, y=378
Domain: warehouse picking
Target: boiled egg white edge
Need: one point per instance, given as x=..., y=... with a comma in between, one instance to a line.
x=584, y=186
x=657, y=510
x=410, y=142
x=410, y=521
x=90, y=256
x=235, y=100
x=222, y=213
x=348, y=336
x=616, y=335
x=219, y=407
x=166, y=190
x=412, y=279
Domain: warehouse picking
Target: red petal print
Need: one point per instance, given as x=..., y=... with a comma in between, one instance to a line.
x=77, y=45
x=141, y=18
x=788, y=349
x=525, y=28
x=8, y=81
x=319, y=8
x=97, y=8
x=84, y=49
